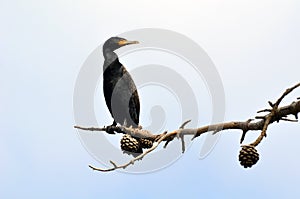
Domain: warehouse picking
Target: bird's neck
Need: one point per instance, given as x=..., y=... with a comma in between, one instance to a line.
x=109, y=54
x=110, y=58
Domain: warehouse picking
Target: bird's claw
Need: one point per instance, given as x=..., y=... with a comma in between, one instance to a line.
x=109, y=129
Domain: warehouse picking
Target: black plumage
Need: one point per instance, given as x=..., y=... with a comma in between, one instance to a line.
x=120, y=92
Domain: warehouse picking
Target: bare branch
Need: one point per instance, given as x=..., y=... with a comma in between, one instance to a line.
x=181, y=136
x=245, y=130
x=288, y=120
x=154, y=146
x=90, y=128
x=185, y=123
x=264, y=110
x=170, y=138
x=135, y=132
x=275, y=114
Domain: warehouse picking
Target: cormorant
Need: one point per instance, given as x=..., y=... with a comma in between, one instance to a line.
x=120, y=92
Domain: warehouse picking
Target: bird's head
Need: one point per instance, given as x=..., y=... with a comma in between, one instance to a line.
x=114, y=43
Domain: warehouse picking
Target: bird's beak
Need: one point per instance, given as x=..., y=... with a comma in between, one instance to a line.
x=126, y=42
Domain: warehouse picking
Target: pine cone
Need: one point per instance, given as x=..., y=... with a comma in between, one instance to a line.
x=130, y=144
x=146, y=143
x=248, y=156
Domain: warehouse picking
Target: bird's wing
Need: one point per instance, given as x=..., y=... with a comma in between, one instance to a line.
x=134, y=101
x=134, y=107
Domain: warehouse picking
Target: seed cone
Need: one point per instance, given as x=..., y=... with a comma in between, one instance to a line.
x=130, y=144
x=146, y=143
x=248, y=156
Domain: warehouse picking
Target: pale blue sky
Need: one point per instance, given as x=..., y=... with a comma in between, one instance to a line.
x=254, y=45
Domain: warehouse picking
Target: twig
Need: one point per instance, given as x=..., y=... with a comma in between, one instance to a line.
x=90, y=128
x=245, y=130
x=272, y=115
x=184, y=123
x=289, y=120
x=135, y=132
x=154, y=146
x=181, y=136
x=264, y=110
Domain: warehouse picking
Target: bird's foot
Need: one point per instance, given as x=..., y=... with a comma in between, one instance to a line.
x=110, y=129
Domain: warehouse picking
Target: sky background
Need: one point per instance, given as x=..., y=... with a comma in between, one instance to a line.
x=254, y=45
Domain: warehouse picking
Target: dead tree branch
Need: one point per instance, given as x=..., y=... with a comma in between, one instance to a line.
x=154, y=146
x=273, y=115
x=276, y=113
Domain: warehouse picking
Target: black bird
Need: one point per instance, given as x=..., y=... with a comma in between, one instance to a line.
x=120, y=92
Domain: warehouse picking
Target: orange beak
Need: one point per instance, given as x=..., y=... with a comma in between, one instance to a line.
x=126, y=42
